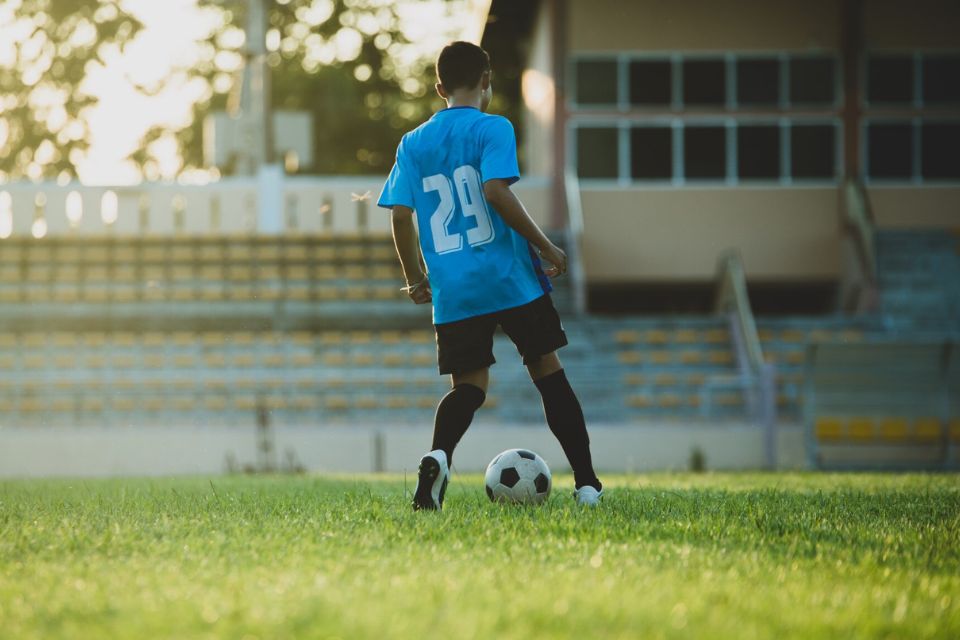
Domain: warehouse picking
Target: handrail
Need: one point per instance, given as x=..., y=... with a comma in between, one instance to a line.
x=758, y=376
x=574, y=237
x=858, y=226
x=732, y=298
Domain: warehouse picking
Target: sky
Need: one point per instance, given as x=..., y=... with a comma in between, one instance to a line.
x=167, y=41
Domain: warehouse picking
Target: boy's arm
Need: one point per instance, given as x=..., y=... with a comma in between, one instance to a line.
x=497, y=192
x=408, y=250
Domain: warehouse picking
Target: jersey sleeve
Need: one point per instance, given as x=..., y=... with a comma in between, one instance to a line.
x=498, y=155
x=396, y=191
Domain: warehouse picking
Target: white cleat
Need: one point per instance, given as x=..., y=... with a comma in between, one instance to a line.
x=432, y=481
x=587, y=496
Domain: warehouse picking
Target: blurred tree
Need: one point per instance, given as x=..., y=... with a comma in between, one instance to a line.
x=49, y=48
x=348, y=62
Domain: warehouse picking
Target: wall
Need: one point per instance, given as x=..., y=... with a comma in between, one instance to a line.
x=138, y=451
x=647, y=234
x=915, y=207
x=925, y=24
x=690, y=25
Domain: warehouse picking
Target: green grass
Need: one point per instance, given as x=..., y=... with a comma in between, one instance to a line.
x=728, y=555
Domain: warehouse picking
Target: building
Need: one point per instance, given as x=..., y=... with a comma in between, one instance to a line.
x=695, y=126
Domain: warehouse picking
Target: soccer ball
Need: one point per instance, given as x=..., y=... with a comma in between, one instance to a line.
x=518, y=476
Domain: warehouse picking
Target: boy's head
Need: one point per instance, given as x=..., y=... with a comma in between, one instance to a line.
x=463, y=68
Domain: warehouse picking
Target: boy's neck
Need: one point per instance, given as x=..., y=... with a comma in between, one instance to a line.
x=464, y=99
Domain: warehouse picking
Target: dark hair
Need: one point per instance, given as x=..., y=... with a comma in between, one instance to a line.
x=461, y=64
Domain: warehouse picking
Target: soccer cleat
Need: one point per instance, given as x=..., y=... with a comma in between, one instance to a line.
x=588, y=496
x=432, y=481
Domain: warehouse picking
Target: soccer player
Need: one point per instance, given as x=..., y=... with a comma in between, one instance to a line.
x=477, y=241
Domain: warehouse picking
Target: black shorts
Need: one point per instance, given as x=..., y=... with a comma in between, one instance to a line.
x=466, y=345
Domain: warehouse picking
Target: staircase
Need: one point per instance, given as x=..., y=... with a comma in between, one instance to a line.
x=919, y=278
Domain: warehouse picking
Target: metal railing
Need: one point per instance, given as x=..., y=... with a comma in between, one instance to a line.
x=858, y=286
x=574, y=232
x=757, y=376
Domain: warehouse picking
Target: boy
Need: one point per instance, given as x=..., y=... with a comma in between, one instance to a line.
x=477, y=241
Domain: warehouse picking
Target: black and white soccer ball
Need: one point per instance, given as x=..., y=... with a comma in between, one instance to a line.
x=518, y=476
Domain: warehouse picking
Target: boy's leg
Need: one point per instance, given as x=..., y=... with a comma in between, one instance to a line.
x=564, y=416
x=456, y=409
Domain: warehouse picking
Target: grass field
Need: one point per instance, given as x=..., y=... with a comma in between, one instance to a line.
x=729, y=555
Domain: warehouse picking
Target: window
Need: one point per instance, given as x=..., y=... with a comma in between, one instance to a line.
x=940, y=159
x=597, y=152
x=650, y=82
x=758, y=82
x=941, y=80
x=596, y=82
x=890, y=150
x=704, y=82
x=812, y=81
x=758, y=152
x=704, y=152
x=890, y=79
x=651, y=153
x=812, y=151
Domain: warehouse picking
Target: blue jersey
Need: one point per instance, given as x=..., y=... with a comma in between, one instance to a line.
x=476, y=263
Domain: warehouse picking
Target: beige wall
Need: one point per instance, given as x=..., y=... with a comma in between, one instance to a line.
x=900, y=207
x=689, y=25
x=640, y=234
x=919, y=24
x=534, y=193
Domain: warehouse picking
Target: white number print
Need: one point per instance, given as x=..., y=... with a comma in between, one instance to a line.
x=470, y=194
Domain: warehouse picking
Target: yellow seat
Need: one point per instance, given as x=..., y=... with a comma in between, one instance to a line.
x=391, y=337
x=334, y=359
x=630, y=357
x=244, y=360
x=302, y=338
x=215, y=360
x=64, y=361
x=860, y=429
x=627, y=336
x=927, y=429
x=361, y=337
x=894, y=429
x=393, y=360
x=720, y=357
x=302, y=360
x=657, y=336
x=123, y=403
x=828, y=429
x=639, y=401
x=274, y=360
x=955, y=430
x=367, y=402
x=215, y=403
x=423, y=359
x=184, y=360
x=729, y=399
x=397, y=402
x=665, y=379
x=332, y=337
x=304, y=403
x=634, y=379
x=429, y=402
x=124, y=361
x=421, y=337
x=153, y=361
x=245, y=402
x=691, y=357
x=792, y=335
x=336, y=403
x=685, y=336
x=62, y=405
x=363, y=359
x=669, y=400
x=660, y=357
x=716, y=336
x=213, y=338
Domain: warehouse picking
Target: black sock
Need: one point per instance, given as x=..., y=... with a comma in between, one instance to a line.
x=454, y=414
x=565, y=418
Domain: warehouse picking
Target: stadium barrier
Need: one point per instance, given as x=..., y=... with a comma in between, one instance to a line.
x=226, y=207
x=889, y=404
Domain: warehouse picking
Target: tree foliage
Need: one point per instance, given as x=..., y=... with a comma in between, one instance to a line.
x=49, y=48
x=347, y=62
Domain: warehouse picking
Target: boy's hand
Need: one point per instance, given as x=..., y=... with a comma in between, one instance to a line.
x=557, y=259
x=420, y=292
